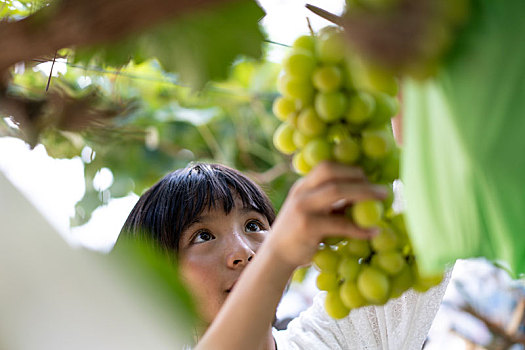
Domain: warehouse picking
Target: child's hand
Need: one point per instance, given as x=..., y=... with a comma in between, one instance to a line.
x=308, y=214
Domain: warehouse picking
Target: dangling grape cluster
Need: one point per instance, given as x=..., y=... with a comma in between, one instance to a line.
x=334, y=106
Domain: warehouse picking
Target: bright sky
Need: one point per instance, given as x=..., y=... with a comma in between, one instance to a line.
x=54, y=186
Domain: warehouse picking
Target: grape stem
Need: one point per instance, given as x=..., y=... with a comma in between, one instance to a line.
x=325, y=14
x=310, y=26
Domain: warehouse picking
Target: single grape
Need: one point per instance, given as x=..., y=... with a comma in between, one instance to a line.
x=327, y=281
x=367, y=213
x=377, y=143
x=300, y=140
x=360, y=108
x=373, y=79
x=309, y=123
x=390, y=166
x=327, y=78
x=423, y=283
x=299, y=63
x=300, y=165
x=283, y=107
x=386, y=107
x=283, y=138
x=358, y=247
x=299, y=90
x=346, y=151
x=401, y=282
x=397, y=222
x=334, y=305
x=349, y=268
x=306, y=42
x=331, y=46
x=337, y=131
x=326, y=260
x=350, y=295
x=330, y=106
x=390, y=261
x=317, y=151
x=373, y=285
x=333, y=240
x=386, y=240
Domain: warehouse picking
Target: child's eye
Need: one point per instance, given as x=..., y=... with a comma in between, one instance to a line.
x=254, y=226
x=203, y=236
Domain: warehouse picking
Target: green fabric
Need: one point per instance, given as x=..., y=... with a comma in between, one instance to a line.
x=463, y=164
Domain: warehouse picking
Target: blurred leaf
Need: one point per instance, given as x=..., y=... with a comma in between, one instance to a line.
x=199, y=47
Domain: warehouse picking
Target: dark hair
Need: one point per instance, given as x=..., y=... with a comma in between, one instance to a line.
x=165, y=210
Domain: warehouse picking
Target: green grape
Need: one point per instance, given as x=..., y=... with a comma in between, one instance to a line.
x=390, y=167
x=309, y=123
x=326, y=260
x=373, y=79
x=283, y=138
x=349, y=268
x=299, y=63
x=300, y=274
x=386, y=240
x=331, y=46
x=398, y=223
x=327, y=78
x=327, y=281
x=360, y=108
x=373, y=285
x=387, y=202
x=367, y=213
x=377, y=143
x=328, y=30
x=423, y=283
x=330, y=106
x=306, y=42
x=390, y=261
x=346, y=151
x=297, y=89
x=300, y=140
x=317, y=151
x=334, y=305
x=358, y=247
x=350, y=295
x=283, y=107
x=401, y=282
x=333, y=240
x=300, y=165
x=336, y=132
x=292, y=119
x=386, y=107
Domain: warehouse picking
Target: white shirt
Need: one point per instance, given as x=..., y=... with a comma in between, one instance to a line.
x=401, y=324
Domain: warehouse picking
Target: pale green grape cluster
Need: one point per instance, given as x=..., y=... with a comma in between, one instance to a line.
x=358, y=273
x=334, y=106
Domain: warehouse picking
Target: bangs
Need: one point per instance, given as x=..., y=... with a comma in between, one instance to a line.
x=210, y=188
x=177, y=200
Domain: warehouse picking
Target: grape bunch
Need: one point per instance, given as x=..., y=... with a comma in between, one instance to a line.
x=358, y=273
x=335, y=106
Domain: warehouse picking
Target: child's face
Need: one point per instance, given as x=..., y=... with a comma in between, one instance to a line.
x=215, y=250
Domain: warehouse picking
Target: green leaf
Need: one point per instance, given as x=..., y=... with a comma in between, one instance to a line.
x=199, y=47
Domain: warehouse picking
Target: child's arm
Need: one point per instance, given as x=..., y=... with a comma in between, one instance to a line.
x=306, y=217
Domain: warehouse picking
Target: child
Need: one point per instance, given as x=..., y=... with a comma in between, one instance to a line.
x=236, y=256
